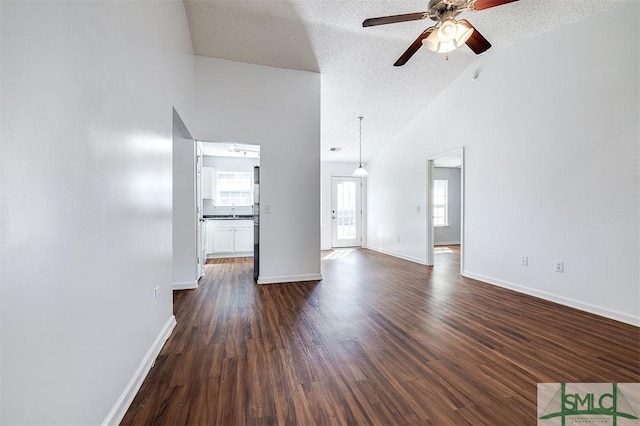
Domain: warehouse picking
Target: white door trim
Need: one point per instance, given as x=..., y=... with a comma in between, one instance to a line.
x=430, y=230
x=430, y=252
x=202, y=256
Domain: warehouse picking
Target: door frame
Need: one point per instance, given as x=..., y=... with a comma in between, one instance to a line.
x=430, y=228
x=200, y=223
x=358, y=216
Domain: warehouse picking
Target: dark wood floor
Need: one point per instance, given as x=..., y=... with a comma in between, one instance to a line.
x=378, y=341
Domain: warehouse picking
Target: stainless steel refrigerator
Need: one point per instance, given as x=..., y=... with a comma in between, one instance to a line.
x=256, y=222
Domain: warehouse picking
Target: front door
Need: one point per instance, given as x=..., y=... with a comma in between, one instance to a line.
x=346, y=212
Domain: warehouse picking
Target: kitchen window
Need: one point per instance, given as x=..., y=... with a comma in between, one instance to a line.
x=234, y=189
x=440, y=202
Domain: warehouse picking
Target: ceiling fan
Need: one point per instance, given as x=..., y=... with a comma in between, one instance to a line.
x=449, y=33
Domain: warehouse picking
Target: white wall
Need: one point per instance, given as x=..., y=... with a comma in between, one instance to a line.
x=550, y=130
x=328, y=169
x=185, y=272
x=450, y=234
x=87, y=96
x=279, y=110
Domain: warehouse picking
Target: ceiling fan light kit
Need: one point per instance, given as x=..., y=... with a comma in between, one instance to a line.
x=449, y=33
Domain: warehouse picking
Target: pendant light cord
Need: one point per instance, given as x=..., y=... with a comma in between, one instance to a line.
x=360, y=118
x=360, y=171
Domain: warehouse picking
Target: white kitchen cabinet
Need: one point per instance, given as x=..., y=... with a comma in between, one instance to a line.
x=229, y=238
x=243, y=240
x=209, y=225
x=207, y=183
x=223, y=240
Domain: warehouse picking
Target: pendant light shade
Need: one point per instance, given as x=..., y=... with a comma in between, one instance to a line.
x=360, y=171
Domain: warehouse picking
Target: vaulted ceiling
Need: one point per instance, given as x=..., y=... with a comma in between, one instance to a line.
x=356, y=63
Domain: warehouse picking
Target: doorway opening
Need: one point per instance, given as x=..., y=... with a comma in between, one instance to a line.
x=346, y=212
x=445, y=199
x=228, y=199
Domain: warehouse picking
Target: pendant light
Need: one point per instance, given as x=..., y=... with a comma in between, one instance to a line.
x=360, y=171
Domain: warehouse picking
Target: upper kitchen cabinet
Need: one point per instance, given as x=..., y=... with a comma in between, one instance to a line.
x=207, y=183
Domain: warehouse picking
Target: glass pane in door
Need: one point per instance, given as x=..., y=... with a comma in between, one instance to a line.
x=346, y=211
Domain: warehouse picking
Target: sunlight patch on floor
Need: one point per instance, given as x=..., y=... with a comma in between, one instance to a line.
x=338, y=254
x=442, y=250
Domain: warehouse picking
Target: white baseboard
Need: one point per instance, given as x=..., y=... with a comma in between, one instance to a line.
x=289, y=278
x=447, y=243
x=325, y=248
x=229, y=255
x=118, y=411
x=561, y=300
x=185, y=286
x=399, y=255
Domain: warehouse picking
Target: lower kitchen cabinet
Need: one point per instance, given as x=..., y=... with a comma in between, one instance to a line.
x=243, y=239
x=210, y=231
x=222, y=241
x=227, y=238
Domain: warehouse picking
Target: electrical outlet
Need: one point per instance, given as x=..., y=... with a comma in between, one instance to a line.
x=156, y=295
x=267, y=209
x=398, y=239
x=559, y=266
x=524, y=261
x=418, y=209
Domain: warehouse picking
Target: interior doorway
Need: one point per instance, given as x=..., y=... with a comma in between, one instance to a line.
x=445, y=201
x=346, y=212
x=229, y=199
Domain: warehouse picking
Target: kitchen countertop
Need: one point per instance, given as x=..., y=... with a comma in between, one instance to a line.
x=229, y=217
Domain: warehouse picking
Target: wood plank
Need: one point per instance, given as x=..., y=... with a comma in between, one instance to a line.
x=378, y=341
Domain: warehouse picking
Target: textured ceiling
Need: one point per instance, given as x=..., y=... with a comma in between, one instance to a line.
x=356, y=64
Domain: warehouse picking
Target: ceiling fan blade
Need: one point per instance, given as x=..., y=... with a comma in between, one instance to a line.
x=417, y=44
x=476, y=42
x=486, y=4
x=395, y=18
